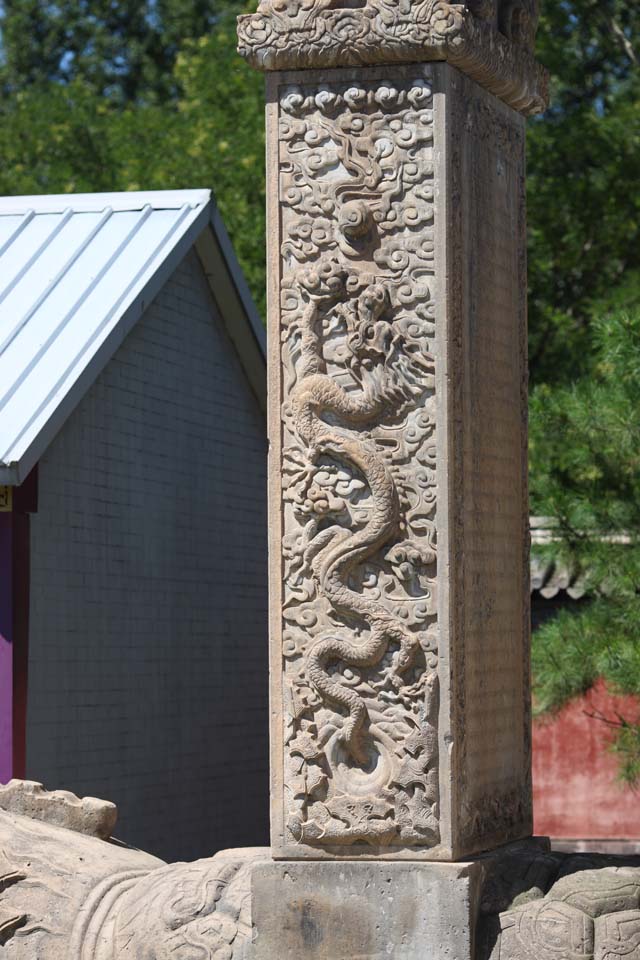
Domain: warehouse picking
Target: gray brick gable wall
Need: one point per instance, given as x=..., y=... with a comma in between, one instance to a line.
x=148, y=611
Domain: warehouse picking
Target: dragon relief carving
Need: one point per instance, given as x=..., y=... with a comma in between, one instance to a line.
x=359, y=488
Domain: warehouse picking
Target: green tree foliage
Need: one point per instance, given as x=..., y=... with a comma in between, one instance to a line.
x=213, y=135
x=583, y=159
x=124, y=51
x=119, y=115
x=70, y=70
x=584, y=272
x=585, y=469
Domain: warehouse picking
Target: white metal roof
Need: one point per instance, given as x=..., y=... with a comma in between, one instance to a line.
x=76, y=272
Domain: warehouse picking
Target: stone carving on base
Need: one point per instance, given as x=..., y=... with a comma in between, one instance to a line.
x=554, y=906
x=358, y=463
x=66, y=893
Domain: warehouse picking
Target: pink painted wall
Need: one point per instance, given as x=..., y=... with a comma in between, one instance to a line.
x=6, y=647
x=576, y=794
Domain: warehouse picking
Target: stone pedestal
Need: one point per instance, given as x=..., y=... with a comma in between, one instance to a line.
x=67, y=894
x=364, y=911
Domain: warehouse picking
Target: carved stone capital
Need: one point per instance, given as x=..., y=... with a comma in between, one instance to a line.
x=490, y=41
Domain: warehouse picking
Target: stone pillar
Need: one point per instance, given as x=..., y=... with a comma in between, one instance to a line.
x=398, y=499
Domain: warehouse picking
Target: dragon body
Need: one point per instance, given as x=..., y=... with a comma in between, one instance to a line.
x=335, y=552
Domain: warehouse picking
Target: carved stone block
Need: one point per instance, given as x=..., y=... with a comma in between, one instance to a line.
x=399, y=592
x=578, y=907
x=618, y=935
x=68, y=894
x=546, y=930
x=362, y=911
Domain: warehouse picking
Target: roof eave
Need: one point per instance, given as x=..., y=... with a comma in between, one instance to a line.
x=235, y=304
x=120, y=201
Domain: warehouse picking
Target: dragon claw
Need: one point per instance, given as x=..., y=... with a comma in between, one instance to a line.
x=350, y=740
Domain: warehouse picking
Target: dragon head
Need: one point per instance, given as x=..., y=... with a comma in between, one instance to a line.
x=325, y=283
x=369, y=331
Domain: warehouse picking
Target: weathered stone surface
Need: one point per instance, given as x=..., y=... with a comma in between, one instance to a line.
x=545, y=930
x=68, y=896
x=60, y=807
x=579, y=906
x=398, y=465
x=364, y=911
x=618, y=935
x=519, y=875
x=597, y=892
x=491, y=41
x=185, y=910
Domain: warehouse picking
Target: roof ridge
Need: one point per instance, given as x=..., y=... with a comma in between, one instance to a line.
x=96, y=202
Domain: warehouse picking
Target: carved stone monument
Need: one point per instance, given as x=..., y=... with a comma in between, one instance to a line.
x=399, y=542
x=397, y=324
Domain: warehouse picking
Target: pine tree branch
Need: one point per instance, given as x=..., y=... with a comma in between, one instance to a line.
x=617, y=30
x=620, y=723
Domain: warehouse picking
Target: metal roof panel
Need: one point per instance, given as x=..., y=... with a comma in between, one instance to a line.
x=76, y=272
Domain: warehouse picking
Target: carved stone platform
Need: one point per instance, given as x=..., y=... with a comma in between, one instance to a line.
x=520, y=902
x=68, y=894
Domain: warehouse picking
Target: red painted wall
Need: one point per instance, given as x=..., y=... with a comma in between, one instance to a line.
x=15, y=507
x=576, y=794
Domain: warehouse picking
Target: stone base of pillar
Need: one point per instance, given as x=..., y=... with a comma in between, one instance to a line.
x=364, y=910
x=519, y=902
x=371, y=910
